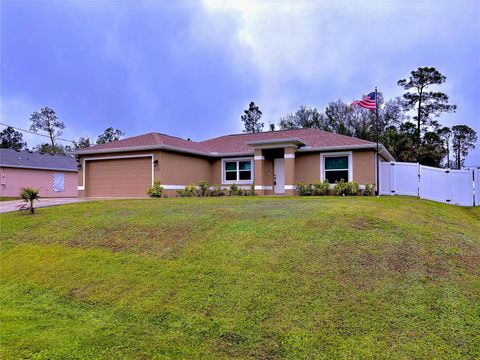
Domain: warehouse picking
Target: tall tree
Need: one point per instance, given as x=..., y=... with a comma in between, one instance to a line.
x=58, y=149
x=427, y=103
x=12, y=139
x=251, y=119
x=445, y=134
x=46, y=120
x=304, y=117
x=463, y=141
x=82, y=143
x=110, y=134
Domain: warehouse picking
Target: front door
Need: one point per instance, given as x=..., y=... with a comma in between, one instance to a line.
x=279, y=176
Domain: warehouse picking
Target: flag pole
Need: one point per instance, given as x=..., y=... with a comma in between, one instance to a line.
x=377, y=190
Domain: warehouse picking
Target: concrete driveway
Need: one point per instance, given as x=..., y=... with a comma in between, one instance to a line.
x=14, y=205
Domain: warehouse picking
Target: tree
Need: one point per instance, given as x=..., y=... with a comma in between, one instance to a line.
x=54, y=150
x=304, y=117
x=29, y=195
x=82, y=143
x=12, y=139
x=432, y=151
x=427, y=103
x=110, y=134
x=46, y=120
x=445, y=134
x=464, y=138
x=251, y=119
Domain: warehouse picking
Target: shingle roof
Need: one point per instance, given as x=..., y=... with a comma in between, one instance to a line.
x=232, y=144
x=35, y=160
x=312, y=138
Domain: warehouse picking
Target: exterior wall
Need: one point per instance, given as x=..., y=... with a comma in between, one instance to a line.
x=175, y=170
x=364, y=166
x=307, y=166
x=13, y=179
x=181, y=169
x=268, y=175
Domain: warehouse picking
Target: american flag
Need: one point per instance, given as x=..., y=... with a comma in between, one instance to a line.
x=368, y=102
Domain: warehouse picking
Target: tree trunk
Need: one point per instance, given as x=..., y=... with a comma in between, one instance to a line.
x=419, y=139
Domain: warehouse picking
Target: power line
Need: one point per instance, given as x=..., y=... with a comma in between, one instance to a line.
x=34, y=133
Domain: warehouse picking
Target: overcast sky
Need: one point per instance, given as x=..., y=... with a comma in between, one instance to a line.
x=190, y=68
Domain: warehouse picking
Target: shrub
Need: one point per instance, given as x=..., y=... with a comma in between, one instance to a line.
x=29, y=195
x=156, y=190
x=189, y=191
x=251, y=192
x=369, y=190
x=203, y=188
x=235, y=190
x=216, y=190
x=304, y=189
x=318, y=188
x=343, y=188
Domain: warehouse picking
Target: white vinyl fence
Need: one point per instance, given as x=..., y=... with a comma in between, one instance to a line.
x=476, y=174
x=444, y=185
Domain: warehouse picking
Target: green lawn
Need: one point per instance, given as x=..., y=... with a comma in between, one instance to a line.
x=255, y=277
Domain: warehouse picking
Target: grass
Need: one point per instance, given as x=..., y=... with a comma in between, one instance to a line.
x=8, y=198
x=264, y=277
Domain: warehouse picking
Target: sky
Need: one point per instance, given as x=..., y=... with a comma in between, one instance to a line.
x=190, y=68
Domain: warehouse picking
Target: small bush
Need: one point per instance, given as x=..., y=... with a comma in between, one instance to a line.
x=156, y=190
x=303, y=189
x=251, y=192
x=216, y=190
x=369, y=190
x=235, y=190
x=189, y=191
x=343, y=188
x=203, y=188
x=318, y=188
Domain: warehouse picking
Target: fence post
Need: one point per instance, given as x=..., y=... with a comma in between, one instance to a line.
x=392, y=178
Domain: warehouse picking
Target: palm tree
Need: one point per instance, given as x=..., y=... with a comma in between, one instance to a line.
x=29, y=195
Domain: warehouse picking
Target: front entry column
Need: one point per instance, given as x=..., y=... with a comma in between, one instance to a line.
x=259, y=160
x=290, y=171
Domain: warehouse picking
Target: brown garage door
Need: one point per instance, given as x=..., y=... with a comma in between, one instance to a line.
x=118, y=177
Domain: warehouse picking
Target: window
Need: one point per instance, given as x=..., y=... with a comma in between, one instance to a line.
x=336, y=168
x=237, y=170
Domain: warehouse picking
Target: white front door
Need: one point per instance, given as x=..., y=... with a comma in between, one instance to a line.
x=279, y=176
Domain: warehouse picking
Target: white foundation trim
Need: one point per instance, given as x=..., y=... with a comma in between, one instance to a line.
x=290, y=187
x=259, y=158
x=289, y=156
x=263, y=187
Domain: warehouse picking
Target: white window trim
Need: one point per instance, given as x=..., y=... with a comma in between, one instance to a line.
x=84, y=186
x=335, y=154
x=247, y=182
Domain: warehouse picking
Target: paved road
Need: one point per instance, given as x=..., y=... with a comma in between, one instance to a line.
x=13, y=205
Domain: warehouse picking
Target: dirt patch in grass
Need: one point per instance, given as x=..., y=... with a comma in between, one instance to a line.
x=166, y=240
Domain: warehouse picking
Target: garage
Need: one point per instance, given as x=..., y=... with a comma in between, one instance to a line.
x=125, y=177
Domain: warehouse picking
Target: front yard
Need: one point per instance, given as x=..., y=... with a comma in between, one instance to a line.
x=259, y=277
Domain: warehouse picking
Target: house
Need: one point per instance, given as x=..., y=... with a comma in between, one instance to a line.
x=54, y=175
x=272, y=161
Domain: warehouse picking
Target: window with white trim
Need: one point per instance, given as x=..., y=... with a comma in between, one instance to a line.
x=238, y=170
x=336, y=168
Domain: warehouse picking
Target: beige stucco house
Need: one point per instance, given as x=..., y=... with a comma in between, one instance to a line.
x=274, y=162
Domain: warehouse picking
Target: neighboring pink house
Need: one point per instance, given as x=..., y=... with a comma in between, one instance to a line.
x=54, y=175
